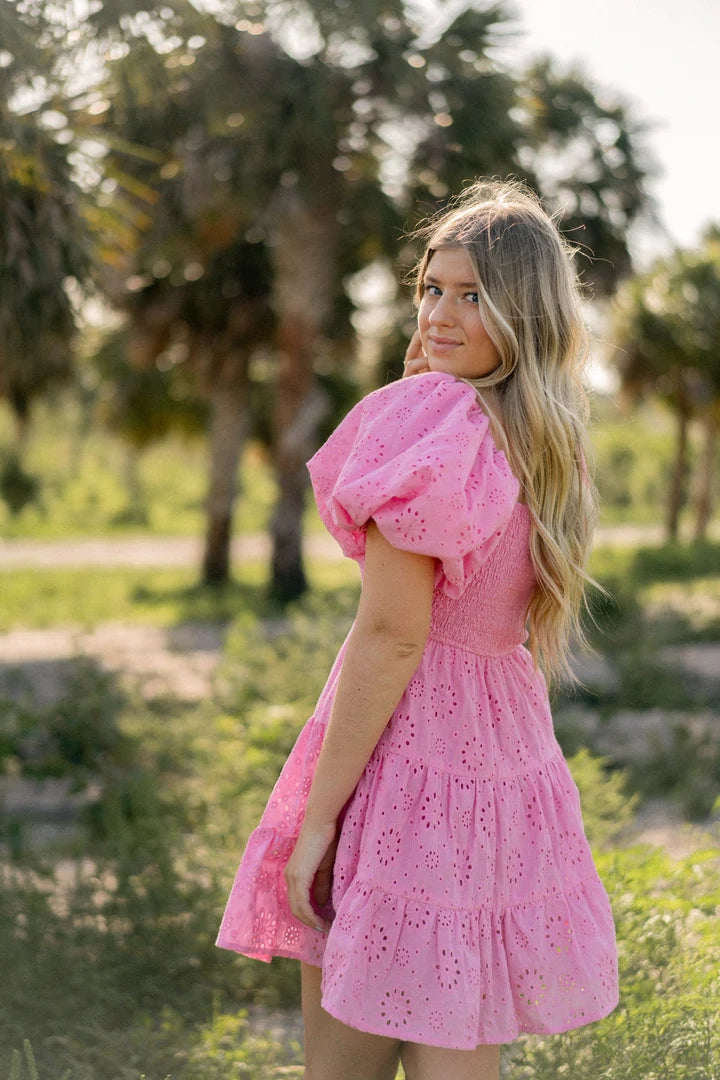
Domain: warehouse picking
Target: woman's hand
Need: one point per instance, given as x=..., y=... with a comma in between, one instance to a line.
x=415, y=361
x=309, y=871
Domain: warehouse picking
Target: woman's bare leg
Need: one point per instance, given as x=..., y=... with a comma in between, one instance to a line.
x=434, y=1062
x=334, y=1051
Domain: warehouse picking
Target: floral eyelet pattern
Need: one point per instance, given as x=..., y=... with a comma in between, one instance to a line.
x=467, y=906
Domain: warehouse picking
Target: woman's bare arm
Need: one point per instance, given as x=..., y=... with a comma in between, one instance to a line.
x=383, y=650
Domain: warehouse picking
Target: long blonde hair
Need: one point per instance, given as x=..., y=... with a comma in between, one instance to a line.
x=529, y=304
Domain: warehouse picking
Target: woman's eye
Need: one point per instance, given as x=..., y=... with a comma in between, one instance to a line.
x=434, y=290
x=473, y=297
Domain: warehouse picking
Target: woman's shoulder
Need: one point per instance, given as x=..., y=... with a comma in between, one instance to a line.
x=420, y=387
x=430, y=399
x=436, y=419
x=415, y=457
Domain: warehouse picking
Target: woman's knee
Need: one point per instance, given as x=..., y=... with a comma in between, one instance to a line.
x=334, y=1051
x=342, y=1061
x=422, y=1062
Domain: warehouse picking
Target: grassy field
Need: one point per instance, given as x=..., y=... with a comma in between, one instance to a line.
x=106, y=935
x=90, y=483
x=85, y=597
x=107, y=938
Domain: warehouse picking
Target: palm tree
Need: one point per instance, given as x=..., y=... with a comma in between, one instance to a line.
x=43, y=239
x=315, y=160
x=195, y=289
x=587, y=152
x=668, y=328
x=697, y=311
x=438, y=111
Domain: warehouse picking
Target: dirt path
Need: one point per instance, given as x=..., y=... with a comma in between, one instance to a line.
x=182, y=661
x=171, y=551
x=178, y=661
x=141, y=551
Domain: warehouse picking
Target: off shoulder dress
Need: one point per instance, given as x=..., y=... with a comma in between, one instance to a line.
x=467, y=907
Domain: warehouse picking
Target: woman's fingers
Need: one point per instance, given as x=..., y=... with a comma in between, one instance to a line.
x=322, y=887
x=414, y=367
x=322, y=884
x=302, y=909
x=298, y=887
x=314, y=852
x=415, y=360
x=414, y=350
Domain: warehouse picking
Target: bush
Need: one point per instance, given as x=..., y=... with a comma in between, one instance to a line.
x=606, y=806
x=110, y=965
x=664, y=1026
x=666, y=1023
x=17, y=487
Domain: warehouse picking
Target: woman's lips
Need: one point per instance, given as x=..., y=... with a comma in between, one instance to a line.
x=443, y=344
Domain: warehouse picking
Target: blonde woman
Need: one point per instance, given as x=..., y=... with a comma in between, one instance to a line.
x=423, y=853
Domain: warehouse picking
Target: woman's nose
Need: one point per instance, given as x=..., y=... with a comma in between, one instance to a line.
x=441, y=313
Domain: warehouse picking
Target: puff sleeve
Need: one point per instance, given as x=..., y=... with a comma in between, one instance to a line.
x=417, y=457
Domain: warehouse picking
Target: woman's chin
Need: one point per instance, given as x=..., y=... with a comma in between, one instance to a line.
x=440, y=366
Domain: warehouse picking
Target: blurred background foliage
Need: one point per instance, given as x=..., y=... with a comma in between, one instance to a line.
x=203, y=210
x=107, y=934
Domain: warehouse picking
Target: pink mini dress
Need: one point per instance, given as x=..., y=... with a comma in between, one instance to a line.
x=467, y=907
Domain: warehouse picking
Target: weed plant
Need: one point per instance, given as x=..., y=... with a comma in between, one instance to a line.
x=656, y=599
x=82, y=598
x=669, y=946
x=77, y=478
x=107, y=942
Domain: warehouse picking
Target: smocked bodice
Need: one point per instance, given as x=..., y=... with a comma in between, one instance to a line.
x=489, y=617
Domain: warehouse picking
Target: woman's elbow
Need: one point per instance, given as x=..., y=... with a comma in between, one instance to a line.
x=404, y=649
x=399, y=642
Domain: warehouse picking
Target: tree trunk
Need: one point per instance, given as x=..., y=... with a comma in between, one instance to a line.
x=293, y=448
x=136, y=509
x=303, y=263
x=20, y=405
x=703, y=502
x=677, y=491
x=227, y=432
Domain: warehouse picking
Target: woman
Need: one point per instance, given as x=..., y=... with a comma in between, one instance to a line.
x=423, y=851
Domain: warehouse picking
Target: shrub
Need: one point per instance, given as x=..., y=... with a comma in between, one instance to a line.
x=666, y=1022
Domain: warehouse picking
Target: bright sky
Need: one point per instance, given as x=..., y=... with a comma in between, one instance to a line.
x=663, y=55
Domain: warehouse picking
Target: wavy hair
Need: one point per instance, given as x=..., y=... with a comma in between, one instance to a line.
x=529, y=304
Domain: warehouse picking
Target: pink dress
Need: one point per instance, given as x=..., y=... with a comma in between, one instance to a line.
x=467, y=906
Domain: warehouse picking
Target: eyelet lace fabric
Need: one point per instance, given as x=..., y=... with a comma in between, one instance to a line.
x=466, y=905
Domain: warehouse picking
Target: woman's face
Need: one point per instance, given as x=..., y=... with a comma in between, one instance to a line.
x=452, y=333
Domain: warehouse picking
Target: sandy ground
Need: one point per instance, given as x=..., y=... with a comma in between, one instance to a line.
x=142, y=551
x=182, y=661
x=178, y=661
x=172, y=551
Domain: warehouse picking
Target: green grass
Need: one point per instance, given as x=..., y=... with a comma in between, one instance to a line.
x=107, y=941
x=111, y=968
x=90, y=483
x=634, y=453
x=128, y=939
x=658, y=597
x=674, y=580
x=665, y=1025
x=84, y=597
x=656, y=593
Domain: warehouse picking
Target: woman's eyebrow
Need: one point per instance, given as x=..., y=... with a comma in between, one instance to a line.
x=458, y=284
